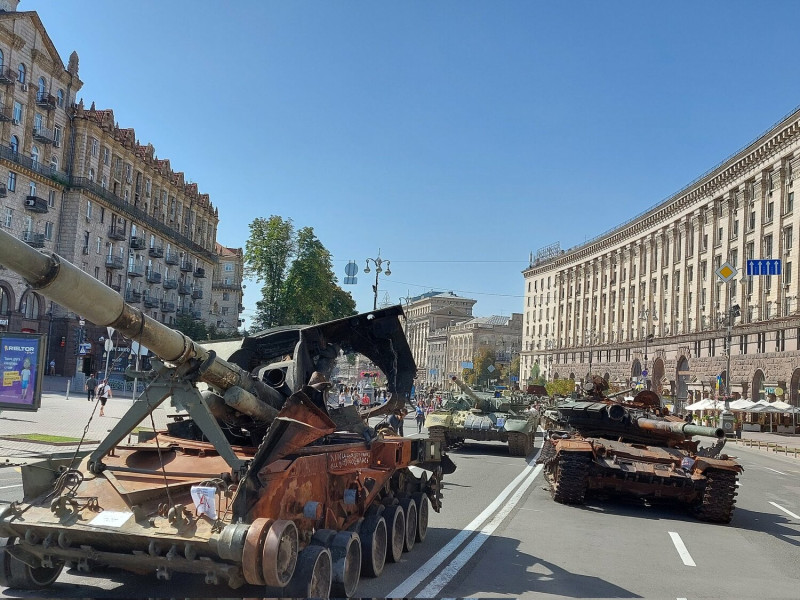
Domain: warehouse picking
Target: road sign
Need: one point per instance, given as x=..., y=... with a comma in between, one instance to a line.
x=726, y=272
x=350, y=270
x=644, y=373
x=490, y=368
x=84, y=348
x=764, y=266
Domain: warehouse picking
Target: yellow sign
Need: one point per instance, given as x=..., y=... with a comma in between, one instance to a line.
x=9, y=377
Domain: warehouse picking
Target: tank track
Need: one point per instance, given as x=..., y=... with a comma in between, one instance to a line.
x=520, y=444
x=572, y=472
x=548, y=454
x=719, y=497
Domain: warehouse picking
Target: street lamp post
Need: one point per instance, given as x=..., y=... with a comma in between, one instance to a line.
x=378, y=262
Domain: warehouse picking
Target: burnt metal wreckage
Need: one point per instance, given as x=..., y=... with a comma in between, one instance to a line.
x=257, y=482
x=598, y=446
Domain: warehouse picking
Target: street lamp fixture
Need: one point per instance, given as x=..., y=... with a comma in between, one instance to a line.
x=378, y=262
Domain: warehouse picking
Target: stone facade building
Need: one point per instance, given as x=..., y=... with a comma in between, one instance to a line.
x=594, y=307
x=226, y=289
x=75, y=183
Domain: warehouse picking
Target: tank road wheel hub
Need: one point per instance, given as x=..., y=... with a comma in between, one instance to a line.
x=410, y=508
x=16, y=574
x=345, y=550
x=423, y=507
x=312, y=578
x=253, y=551
x=373, y=544
x=396, y=528
x=280, y=553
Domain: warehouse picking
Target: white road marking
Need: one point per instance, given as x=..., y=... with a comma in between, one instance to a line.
x=681, y=548
x=451, y=570
x=788, y=512
x=405, y=588
x=5, y=487
x=773, y=470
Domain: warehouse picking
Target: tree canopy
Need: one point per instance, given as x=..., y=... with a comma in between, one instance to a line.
x=296, y=273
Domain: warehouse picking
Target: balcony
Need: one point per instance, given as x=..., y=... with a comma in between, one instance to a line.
x=196, y=315
x=182, y=311
x=133, y=297
x=200, y=272
x=138, y=243
x=172, y=258
x=221, y=284
x=35, y=240
x=170, y=284
x=197, y=294
x=151, y=302
x=115, y=262
x=8, y=75
x=156, y=252
x=6, y=113
x=153, y=276
x=186, y=266
x=184, y=289
x=135, y=270
x=44, y=135
x=14, y=156
x=117, y=233
x=45, y=100
x=167, y=306
x=117, y=288
x=35, y=204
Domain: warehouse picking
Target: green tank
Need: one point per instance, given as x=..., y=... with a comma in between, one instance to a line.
x=470, y=417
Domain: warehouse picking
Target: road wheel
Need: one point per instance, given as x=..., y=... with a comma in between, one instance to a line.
x=313, y=575
x=396, y=529
x=410, y=508
x=423, y=507
x=16, y=574
x=373, y=545
x=345, y=550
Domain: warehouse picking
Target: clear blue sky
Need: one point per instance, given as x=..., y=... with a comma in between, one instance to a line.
x=456, y=136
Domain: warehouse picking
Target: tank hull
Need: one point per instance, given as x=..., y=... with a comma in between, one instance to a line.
x=454, y=428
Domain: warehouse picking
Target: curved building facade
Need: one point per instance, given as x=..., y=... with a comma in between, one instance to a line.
x=644, y=302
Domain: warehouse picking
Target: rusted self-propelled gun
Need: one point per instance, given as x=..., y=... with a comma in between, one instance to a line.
x=256, y=483
x=632, y=448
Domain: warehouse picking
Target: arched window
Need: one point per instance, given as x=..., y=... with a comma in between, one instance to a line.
x=60, y=98
x=1, y=59
x=104, y=182
x=14, y=143
x=21, y=75
x=35, y=155
x=91, y=175
x=54, y=162
x=4, y=301
x=29, y=306
x=42, y=86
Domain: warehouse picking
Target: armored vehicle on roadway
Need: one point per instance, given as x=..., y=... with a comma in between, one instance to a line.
x=257, y=482
x=471, y=417
x=635, y=449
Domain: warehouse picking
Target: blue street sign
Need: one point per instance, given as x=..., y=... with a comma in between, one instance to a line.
x=764, y=266
x=644, y=372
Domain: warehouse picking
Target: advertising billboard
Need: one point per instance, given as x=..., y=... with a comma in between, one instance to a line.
x=22, y=369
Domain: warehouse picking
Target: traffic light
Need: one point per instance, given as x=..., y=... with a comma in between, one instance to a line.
x=63, y=341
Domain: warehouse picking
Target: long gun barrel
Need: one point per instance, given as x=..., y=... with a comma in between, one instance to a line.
x=466, y=389
x=66, y=284
x=680, y=428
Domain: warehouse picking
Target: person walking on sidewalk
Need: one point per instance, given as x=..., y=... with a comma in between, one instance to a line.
x=104, y=392
x=420, y=417
x=91, y=384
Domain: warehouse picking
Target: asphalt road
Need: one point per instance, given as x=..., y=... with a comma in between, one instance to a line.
x=501, y=535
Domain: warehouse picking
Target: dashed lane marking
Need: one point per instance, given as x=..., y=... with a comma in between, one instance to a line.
x=775, y=471
x=681, y=548
x=788, y=512
x=5, y=487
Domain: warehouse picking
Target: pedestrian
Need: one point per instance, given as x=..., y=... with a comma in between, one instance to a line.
x=91, y=384
x=420, y=416
x=104, y=392
x=342, y=397
x=396, y=421
x=52, y=367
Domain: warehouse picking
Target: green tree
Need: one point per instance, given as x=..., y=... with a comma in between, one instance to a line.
x=483, y=359
x=514, y=367
x=267, y=254
x=535, y=370
x=560, y=387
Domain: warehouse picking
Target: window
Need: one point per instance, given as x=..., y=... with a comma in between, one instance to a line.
x=14, y=144
x=768, y=246
x=60, y=98
x=88, y=209
x=35, y=156
x=91, y=174
x=21, y=73
x=228, y=267
x=32, y=188
x=57, y=136
x=48, y=230
x=226, y=295
x=104, y=182
x=1, y=59
x=95, y=147
x=719, y=235
x=789, y=202
x=734, y=257
x=770, y=211
x=17, y=116
x=787, y=274
x=752, y=224
x=106, y=155
x=37, y=121
x=8, y=218
x=51, y=198
x=735, y=230
x=42, y=86
x=787, y=239
x=12, y=181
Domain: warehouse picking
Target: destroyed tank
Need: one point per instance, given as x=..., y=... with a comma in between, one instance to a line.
x=470, y=417
x=634, y=448
x=255, y=483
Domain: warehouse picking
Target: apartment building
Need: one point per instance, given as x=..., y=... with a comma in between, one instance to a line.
x=226, y=289
x=75, y=183
x=651, y=299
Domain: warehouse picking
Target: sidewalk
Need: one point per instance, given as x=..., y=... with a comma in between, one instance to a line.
x=69, y=417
